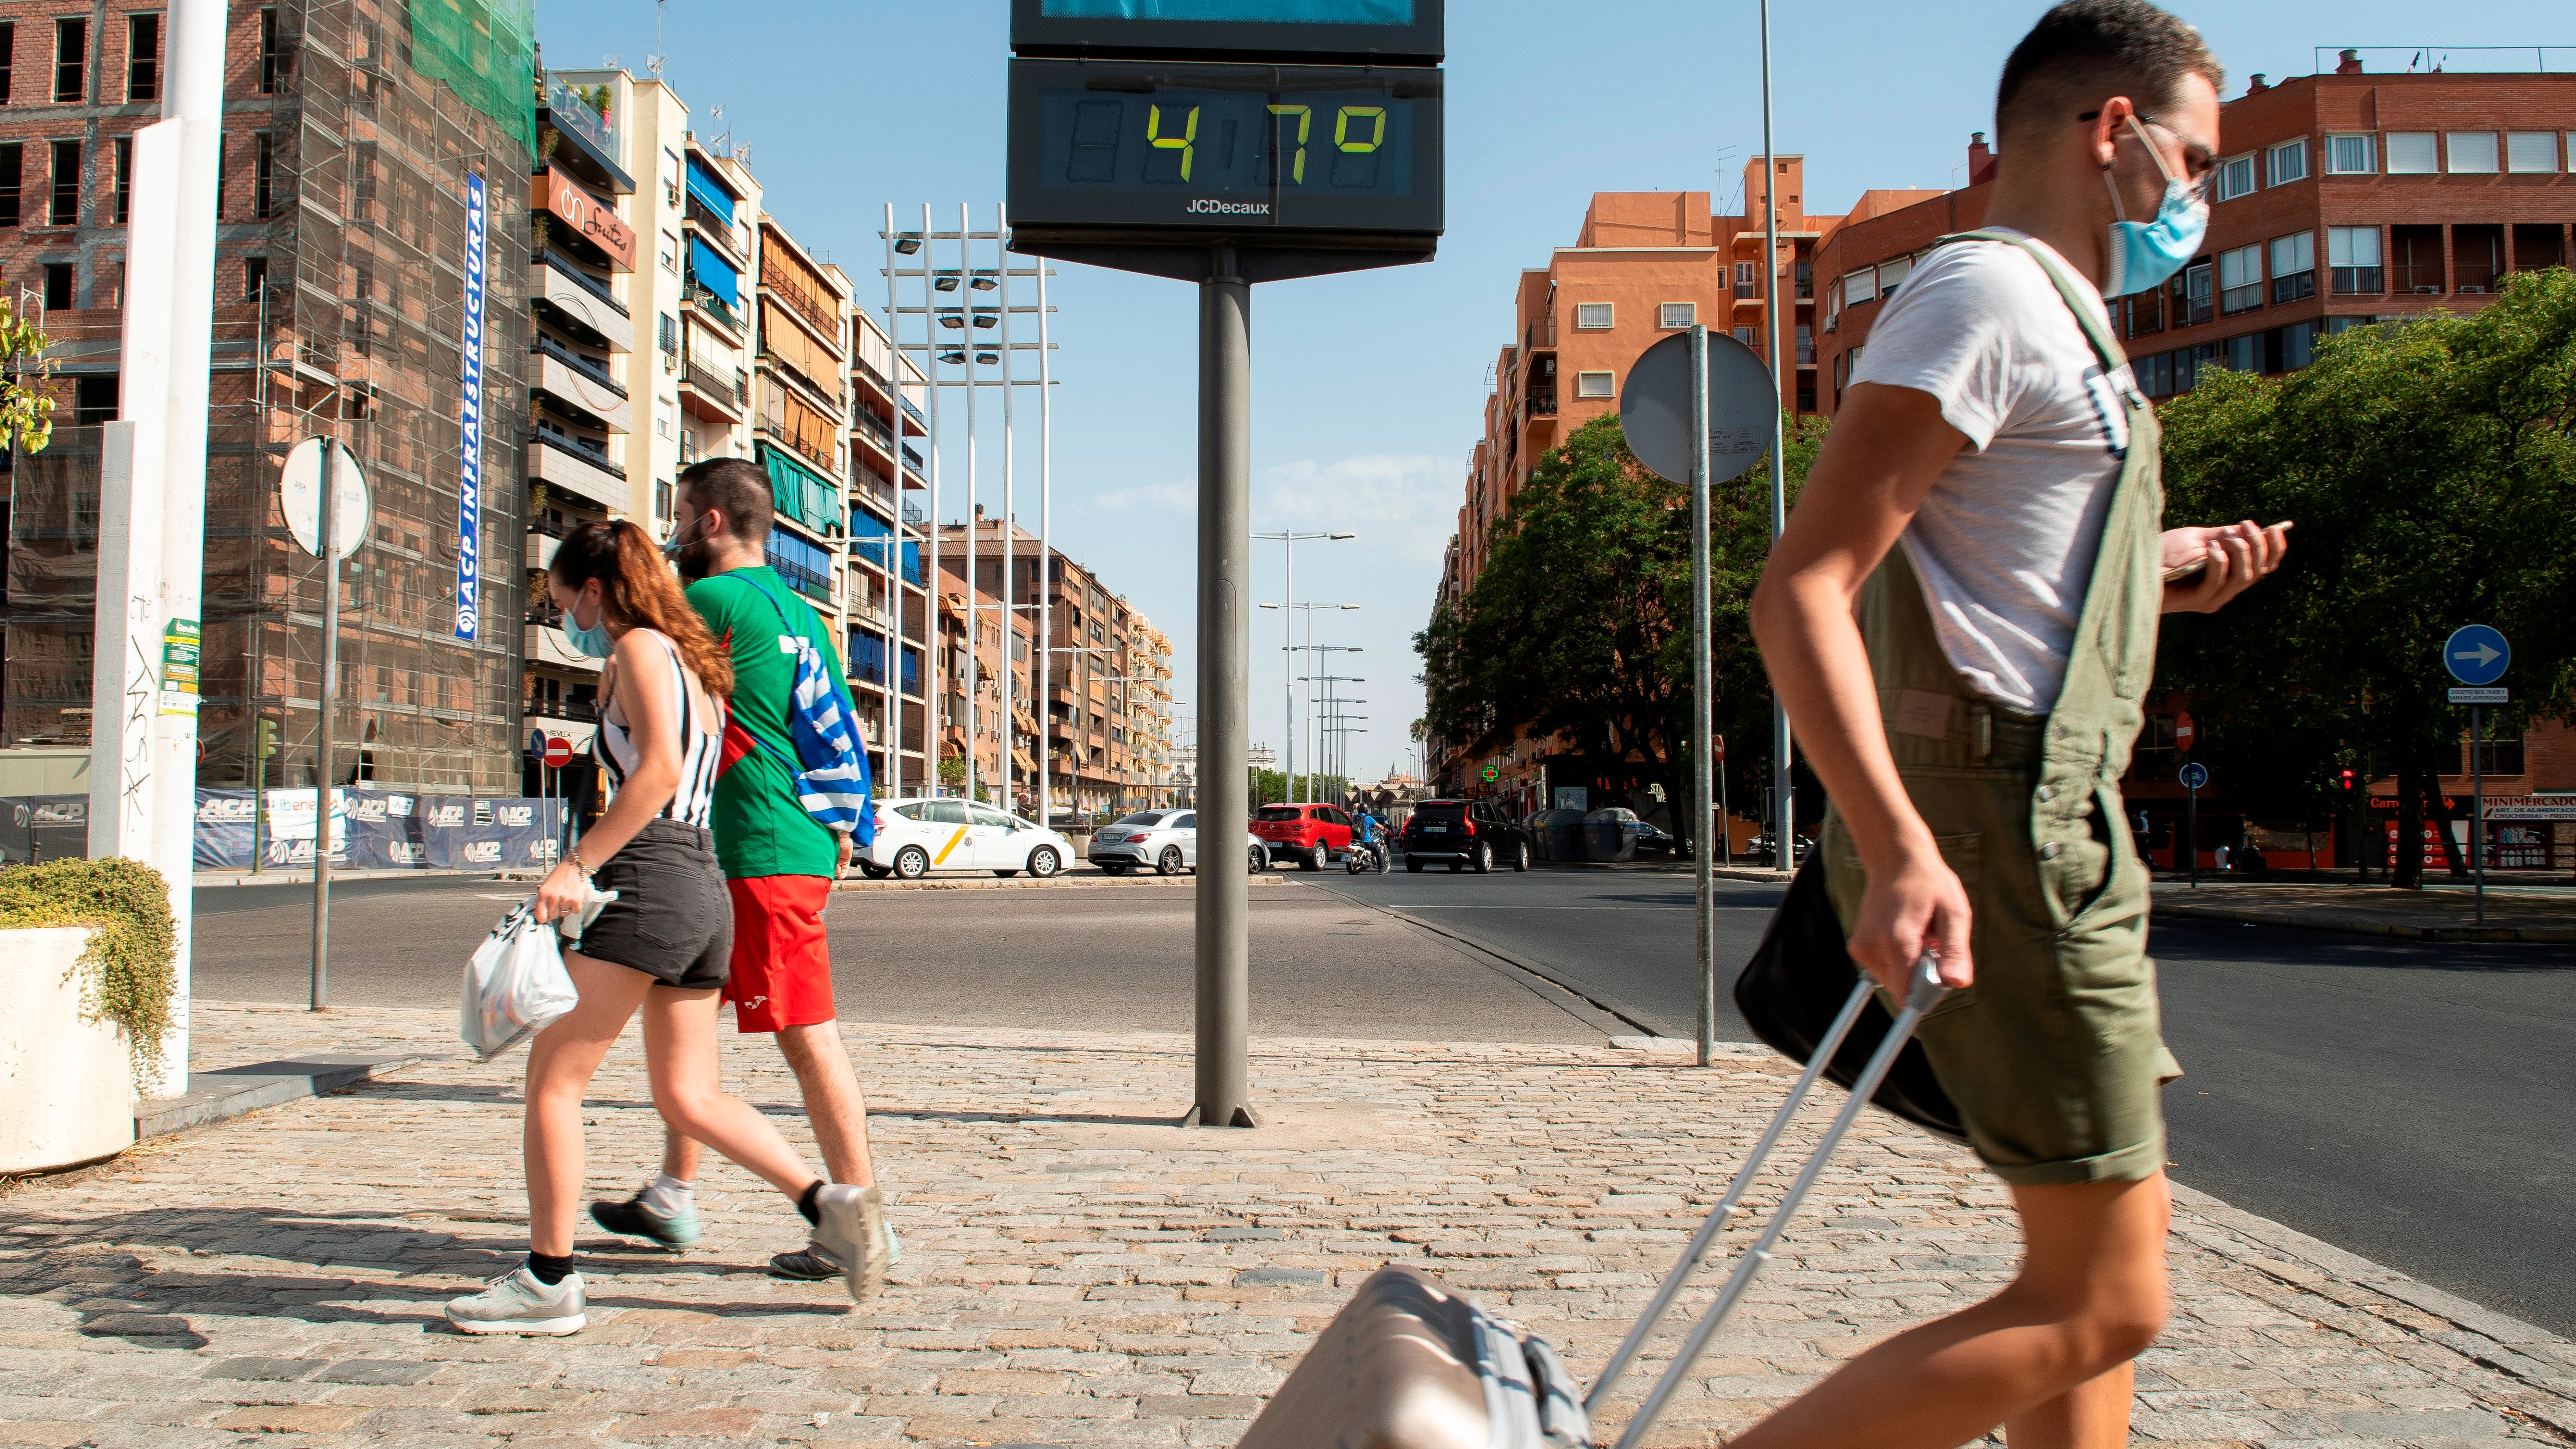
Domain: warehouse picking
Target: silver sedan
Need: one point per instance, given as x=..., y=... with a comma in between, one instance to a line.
x=1166, y=840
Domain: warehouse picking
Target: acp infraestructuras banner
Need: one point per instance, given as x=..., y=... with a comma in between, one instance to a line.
x=469, y=441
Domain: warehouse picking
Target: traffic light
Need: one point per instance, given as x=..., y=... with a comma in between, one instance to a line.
x=267, y=746
x=2346, y=780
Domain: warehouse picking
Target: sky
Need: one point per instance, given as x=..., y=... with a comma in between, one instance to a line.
x=1369, y=388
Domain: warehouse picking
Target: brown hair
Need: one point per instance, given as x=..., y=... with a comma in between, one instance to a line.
x=739, y=489
x=2084, y=51
x=638, y=590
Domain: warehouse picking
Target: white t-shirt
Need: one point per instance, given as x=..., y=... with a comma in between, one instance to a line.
x=2005, y=541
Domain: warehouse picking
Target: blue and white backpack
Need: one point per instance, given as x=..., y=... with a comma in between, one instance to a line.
x=830, y=771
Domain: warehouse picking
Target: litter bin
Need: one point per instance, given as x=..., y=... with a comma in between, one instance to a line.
x=1564, y=829
x=1611, y=834
x=1535, y=827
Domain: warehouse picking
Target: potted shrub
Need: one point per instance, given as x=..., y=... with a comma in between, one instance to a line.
x=87, y=978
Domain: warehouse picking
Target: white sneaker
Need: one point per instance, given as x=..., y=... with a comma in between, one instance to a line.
x=851, y=1227
x=519, y=1302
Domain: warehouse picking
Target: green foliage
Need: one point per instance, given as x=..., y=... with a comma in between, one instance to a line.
x=26, y=411
x=952, y=769
x=1271, y=787
x=1580, y=623
x=2432, y=473
x=128, y=974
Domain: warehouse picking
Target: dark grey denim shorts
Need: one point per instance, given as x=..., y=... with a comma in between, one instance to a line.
x=672, y=919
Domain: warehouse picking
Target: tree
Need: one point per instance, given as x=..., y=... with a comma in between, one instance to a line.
x=1579, y=624
x=2432, y=473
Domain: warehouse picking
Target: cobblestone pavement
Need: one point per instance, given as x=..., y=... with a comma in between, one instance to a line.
x=1081, y=1271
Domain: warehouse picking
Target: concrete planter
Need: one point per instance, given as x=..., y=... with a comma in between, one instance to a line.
x=66, y=1085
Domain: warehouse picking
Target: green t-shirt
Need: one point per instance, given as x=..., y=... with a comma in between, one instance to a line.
x=760, y=828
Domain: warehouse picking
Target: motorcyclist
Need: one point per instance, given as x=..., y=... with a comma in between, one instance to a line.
x=1371, y=832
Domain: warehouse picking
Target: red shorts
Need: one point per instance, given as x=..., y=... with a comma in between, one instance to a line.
x=782, y=964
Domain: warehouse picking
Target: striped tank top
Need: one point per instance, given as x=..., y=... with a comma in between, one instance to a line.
x=700, y=751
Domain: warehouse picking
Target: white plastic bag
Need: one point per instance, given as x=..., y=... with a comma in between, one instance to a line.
x=516, y=985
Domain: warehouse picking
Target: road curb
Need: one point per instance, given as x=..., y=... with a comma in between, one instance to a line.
x=2349, y=925
x=230, y=1092
x=1024, y=884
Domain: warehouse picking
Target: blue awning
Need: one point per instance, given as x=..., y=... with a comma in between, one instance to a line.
x=708, y=266
x=705, y=187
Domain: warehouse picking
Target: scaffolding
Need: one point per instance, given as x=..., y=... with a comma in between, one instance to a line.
x=355, y=334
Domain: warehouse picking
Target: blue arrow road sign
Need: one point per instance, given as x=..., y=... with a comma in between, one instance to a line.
x=2476, y=654
x=2195, y=775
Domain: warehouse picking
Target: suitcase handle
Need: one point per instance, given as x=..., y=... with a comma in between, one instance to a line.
x=1925, y=992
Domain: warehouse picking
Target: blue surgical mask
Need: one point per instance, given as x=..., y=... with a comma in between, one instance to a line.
x=590, y=643
x=2143, y=254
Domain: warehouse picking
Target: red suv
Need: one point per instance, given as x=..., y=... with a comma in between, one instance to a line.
x=1312, y=835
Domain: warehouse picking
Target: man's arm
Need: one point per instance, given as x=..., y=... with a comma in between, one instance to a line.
x=1888, y=447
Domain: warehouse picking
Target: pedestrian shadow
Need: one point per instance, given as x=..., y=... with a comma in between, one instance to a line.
x=1086, y=1119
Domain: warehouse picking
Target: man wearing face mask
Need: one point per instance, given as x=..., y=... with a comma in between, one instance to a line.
x=1960, y=620
x=779, y=865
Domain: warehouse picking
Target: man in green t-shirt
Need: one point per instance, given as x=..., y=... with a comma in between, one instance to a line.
x=779, y=864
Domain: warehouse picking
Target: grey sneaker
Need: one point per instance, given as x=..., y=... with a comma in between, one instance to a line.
x=517, y=1302
x=634, y=1218
x=851, y=1228
x=813, y=1264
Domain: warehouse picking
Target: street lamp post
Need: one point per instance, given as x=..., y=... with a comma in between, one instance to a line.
x=1289, y=651
x=1288, y=539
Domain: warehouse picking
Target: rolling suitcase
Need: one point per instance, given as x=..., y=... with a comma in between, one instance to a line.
x=1410, y=1364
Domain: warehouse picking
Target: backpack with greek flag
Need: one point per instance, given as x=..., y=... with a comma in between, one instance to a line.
x=830, y=771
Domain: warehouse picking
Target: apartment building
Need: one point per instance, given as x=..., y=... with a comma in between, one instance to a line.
x=354, y=135
x=884, y=561
x=2341, y=200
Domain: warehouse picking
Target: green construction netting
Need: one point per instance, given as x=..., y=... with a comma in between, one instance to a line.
x=486, y=51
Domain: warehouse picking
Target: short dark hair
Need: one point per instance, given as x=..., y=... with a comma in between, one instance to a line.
x=2085, y=50
x=736, y=487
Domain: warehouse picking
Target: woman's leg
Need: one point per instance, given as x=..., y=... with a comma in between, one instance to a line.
x=680, y=1050
x=560, y=1064
x=2048, y=1356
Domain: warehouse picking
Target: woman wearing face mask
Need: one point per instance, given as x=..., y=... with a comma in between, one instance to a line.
x=662, y=945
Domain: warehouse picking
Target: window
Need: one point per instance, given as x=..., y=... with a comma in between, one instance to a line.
x=13, y=161
x=272, y=62
x=71, y=60
x=2235, y=177
x=1806, y=340
x=667, y=333
x=1678, y=314
x=143, y=57
x=1592, y=314
x=93, y=401
x=2496, y=755
x=58, y=286
x=1748, y=279
x=2240, y=280
x=263, y=171
x=2531, y=151
x=124, y=154
x=2335, y=325
x=670, y=254
x=2477, y=257
x=2142, y=313
x=223, y=170
x=2417, y=258
x=2352, y=254
x=254, y=277
x=2294, y=267
x=8, y=49
x=1745, y=336
x=1860, y=286
x=2537, y=247
x=65, y=208
x=2352, y=155
x=2287, y=162
x=2472, y=152
x=1892, y=274
x=2412, y=153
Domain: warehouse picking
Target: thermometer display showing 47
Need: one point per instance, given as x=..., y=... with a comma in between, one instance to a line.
x=1293, y=147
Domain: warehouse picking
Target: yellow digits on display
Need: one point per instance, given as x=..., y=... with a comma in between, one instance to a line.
x=1305, y=123
x=1183, y=142
x=1342, y=127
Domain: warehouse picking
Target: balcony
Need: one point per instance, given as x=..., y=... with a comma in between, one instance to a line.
x=2359, y=281
x=811, y=584
x=582, y=384
x=710, y=393
x=574, y=466
x=702, y=299
x=721, y=234
x=583, y=711
x=802, y=300
x=874, y=429
x=1542, y=404
x=583, y=298
x=1541, y=335
x=543, y=540
x=2296, y=287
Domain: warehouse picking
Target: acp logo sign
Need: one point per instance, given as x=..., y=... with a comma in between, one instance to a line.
x=446, y=816
x=483, y=852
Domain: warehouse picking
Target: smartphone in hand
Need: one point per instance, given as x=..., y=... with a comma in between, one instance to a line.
x=2182, y=571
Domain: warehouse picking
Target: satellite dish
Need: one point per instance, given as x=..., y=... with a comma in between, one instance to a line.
x=299, y=488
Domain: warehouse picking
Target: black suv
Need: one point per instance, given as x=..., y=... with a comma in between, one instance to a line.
x=1468, y=834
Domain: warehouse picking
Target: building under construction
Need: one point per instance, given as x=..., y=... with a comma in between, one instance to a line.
x=355, y=133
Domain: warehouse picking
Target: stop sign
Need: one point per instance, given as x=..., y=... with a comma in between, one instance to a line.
x=2184, y=730
x=558, y=751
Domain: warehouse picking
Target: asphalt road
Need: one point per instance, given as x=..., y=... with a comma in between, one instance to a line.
x=2411, y=1103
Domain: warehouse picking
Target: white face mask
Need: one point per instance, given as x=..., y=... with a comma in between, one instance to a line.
x=2143, y=254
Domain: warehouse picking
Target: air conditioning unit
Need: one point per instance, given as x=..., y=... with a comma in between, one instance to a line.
x=2428, y=291
x=2464, y=291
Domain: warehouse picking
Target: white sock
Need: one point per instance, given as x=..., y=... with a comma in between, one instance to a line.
x=669, y=1194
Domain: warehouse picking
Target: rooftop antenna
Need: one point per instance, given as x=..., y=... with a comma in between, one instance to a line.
x=611, y=62
x=655, y=61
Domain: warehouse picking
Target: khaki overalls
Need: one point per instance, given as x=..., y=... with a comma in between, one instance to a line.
x=2054, y=1055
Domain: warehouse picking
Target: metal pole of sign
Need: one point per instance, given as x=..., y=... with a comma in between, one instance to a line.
x=2478, y=811
x=1703, y=748
x=329, y=541
x=2191, y=833
x=1784, y=828
x=1225, y=639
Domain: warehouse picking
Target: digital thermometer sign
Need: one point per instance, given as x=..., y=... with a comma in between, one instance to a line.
x=1289, y=150
x=1381, y=32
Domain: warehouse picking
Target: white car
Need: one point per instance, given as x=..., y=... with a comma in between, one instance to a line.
x=918, y=836
x=1167, y=840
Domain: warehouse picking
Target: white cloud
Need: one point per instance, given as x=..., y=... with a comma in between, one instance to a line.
x=1404, y=506
x=1153, y=497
